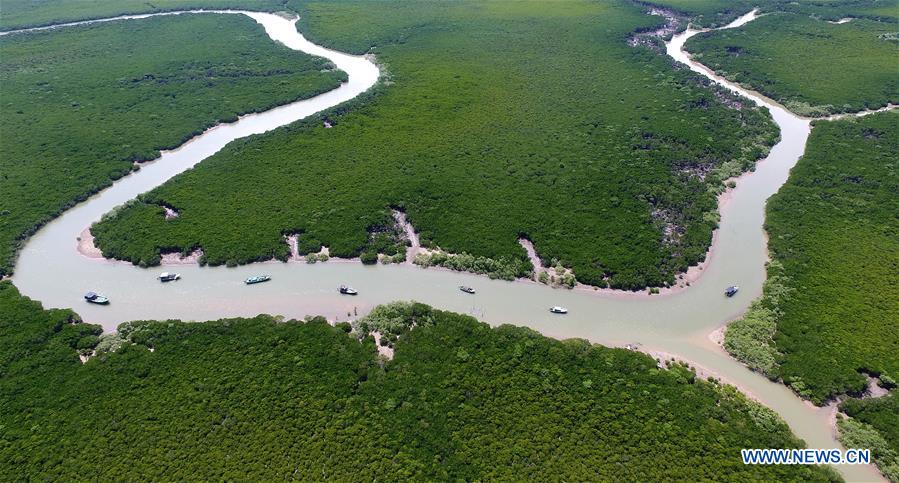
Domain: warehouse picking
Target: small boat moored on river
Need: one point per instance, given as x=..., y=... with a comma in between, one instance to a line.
x=731, y=291
x=169, y=277
x=95, y=298
x=345, y=290
x=558, y=310
x=466, y=289
x=257, y=279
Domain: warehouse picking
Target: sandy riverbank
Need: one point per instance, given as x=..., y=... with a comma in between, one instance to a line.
x=693, y=273
x=833, y=407
x=87, y=248
x=411, y=235
x=86, y=245
x=701, y=372
x=178, y=259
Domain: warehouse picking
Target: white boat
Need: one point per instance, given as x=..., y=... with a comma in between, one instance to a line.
x=257, y=279
x=169, y=277
x=558, y=310
x=95, y=298
x=347, y=290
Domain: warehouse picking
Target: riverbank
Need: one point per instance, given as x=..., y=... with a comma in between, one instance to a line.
x=702, y=372
x=296, y=290
x=86, y=247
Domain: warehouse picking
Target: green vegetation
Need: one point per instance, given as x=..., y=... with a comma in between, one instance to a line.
x=881, y=413
x=716, y=13
x=709, y=13
x=261, y=399
x=556, y=275
x=80, y=105
x=502, y=268
x=834, y=10
x=874, y=424
x=389, y=241
x=483, y=133
x=31, y=13
x=811, y=66
x=751, y=338
x=834, y=238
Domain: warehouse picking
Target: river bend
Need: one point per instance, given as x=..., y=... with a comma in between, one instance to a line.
x=51, y=270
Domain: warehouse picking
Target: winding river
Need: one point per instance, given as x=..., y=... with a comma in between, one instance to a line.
x=51, y=270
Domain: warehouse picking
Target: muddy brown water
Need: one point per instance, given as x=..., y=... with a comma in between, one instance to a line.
x=51, y=270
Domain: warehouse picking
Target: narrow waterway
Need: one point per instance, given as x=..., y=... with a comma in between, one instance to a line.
x=51, y=270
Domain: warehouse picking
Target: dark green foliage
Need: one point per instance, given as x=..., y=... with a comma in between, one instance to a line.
x=232, y=399
x=750, y=339
x=369, y=257
x=874, y=424
x=509, y=404
x=709, y=13
x=716, y=13
x=834, y=10
x=307, y=245
x=388, y=240
x=254, y=399
x=484, y=132
x=80, y=105
x=880, y=413
x=829, y=302
x=811, y=66
x=31, y=13
x=32, y=337
x=833, y=228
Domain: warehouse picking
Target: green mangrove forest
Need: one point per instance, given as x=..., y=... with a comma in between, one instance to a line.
x=262, y=398
x=81, y=105
x=605, y=156
x=828, y=315
x=716, y=13
x=709, y=13
x=30, y=13
x=874, y=423
x=811, y=66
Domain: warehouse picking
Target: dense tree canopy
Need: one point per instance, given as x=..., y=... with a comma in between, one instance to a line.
x=874, y=423
x=716, y=13
x=881, y=413
x=31, y=13
x=710, y=13
x=605, y=156
x=810, y=65
x=261, y=399
x=828, y=313
x=835, y=237
x=80, y=105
